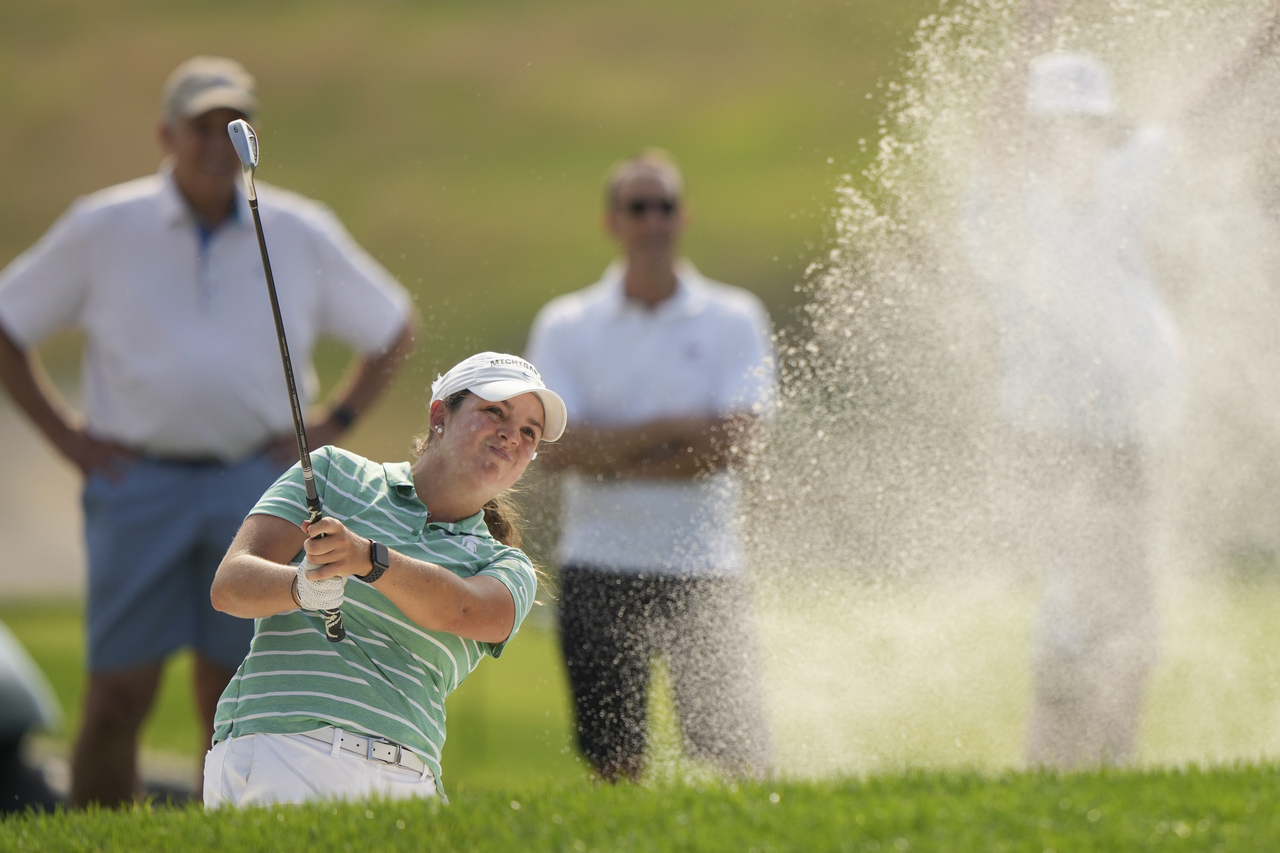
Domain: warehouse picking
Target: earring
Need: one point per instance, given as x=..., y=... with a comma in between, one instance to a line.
x=534, y=456
x=440, y=430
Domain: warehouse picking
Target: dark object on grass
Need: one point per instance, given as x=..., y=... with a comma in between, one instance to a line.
x=26, y=704
x=22, y=786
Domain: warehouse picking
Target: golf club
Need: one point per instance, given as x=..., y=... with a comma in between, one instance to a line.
x=246, y=145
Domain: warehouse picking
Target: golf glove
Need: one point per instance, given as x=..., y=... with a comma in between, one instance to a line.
x=318, y=595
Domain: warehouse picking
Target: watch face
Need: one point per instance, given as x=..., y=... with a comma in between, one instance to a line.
x=380, y=556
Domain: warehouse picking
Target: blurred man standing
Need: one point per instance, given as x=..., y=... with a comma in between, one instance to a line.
x=1090, y=385
x=186, y=416
x=665, y=375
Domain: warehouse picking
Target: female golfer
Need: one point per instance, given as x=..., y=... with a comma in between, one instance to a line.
x=433, y=582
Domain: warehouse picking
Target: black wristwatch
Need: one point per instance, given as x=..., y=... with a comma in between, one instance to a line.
x=381, y=559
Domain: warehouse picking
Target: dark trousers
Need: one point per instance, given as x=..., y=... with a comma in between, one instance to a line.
x=611, y=626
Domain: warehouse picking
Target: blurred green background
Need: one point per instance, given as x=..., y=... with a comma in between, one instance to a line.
x=464, y=144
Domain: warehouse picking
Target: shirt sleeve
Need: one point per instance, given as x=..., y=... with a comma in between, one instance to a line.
x=516, y=573
x=362, y=304
x=749, y=379
x=44, y=289
x=548, y=351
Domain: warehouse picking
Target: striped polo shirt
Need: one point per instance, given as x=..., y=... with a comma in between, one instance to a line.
x=389, y=677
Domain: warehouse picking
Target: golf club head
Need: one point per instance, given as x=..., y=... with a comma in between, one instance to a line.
x=245, y=141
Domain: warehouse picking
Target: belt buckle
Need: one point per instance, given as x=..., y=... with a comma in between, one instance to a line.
x=368, y=753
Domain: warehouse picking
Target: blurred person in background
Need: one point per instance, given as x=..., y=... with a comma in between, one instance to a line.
x=186, y=416
x=1090, y=383
x=666, y=375
x=1092, y=378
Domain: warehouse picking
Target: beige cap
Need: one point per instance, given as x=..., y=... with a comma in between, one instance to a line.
x=205, y=83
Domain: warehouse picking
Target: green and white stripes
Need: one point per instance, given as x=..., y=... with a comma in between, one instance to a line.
x=389, y=677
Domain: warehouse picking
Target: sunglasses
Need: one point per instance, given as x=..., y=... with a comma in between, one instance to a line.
x=639, y=207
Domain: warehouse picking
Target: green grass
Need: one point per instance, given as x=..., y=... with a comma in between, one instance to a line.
x=1221, y=809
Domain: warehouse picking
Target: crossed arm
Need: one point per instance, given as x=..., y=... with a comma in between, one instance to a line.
x=671, y=449
x=255, y=579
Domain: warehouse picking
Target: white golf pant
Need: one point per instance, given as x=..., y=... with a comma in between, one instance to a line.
x=1096, y=640
x=262, y=769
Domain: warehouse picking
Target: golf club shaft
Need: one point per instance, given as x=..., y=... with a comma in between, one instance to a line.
x=333, y=629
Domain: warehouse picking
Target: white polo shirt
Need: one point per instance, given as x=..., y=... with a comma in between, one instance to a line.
x=1089, y=350
x=181, y=354
x=617, y=363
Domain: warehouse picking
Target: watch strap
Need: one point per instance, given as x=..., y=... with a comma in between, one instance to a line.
x=380, y=557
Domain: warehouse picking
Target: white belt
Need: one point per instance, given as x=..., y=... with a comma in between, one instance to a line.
x=374, y=749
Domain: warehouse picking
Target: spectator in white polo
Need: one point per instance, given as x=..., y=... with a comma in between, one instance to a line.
x=665, y=375
x=186, y=416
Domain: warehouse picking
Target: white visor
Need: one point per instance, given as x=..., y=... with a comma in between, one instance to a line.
x=496, y=376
